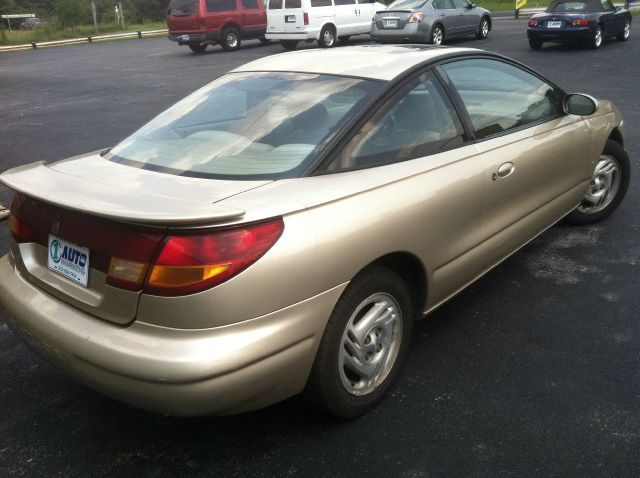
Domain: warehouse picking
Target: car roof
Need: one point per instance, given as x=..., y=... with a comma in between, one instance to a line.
x=378, y=62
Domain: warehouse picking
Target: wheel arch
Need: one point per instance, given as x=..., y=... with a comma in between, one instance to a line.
x=413, y=273
x=616, y=135
x=233, y=25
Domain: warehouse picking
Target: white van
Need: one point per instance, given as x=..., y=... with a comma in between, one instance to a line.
x=324, y=20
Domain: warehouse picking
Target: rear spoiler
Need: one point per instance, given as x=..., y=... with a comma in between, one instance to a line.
x=42, y=182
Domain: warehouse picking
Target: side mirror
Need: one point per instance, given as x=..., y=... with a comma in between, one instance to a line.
x=471, y=5
x=579, y=104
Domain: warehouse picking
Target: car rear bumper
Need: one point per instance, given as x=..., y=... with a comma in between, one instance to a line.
x=412, y=32
x=575, y=34
x=186, y=38
x=223, y=370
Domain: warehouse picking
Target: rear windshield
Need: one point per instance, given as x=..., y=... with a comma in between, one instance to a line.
x=569, y=7
x=182, y=7
x=248, y=126
x=406, y=4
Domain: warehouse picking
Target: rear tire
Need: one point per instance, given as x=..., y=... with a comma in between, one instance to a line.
x=327, y=37
x=289, y=45
x=535, y=44
x=230, y=39
x=363, y=345
x=197, y=47
x=608, y=186
x=437, y=35
x=597, y=38
x=483, y=29
x=625, y=34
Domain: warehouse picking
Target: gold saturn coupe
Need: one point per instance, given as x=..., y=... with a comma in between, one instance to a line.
x=278, y=230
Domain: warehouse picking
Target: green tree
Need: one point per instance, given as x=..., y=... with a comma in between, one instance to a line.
x=72, y=13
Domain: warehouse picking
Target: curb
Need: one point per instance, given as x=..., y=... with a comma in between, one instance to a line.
x=90, y=39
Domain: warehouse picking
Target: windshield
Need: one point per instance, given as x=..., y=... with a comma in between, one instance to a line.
x=569, y=7
x=247, y=126
x=406, y=4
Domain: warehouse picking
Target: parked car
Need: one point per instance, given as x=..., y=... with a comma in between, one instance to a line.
x=430, y=21
x=199, y=23
x=30, y=23
x=585, y=21
x=326, y=21
x=279, y=230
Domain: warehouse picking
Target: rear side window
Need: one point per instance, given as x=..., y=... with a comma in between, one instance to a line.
x=275, y=4
x=293, y=4
x=250, y=4
x=182, y=7
x=221, y=5
x=499, y=96
x=344, y=2
x=321, y=3
x=418, y=121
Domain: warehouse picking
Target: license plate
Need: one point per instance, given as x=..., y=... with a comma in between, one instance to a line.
x=390, y=23
x=554, y=24
x=68, y=260
x=183, y=38
x=290, y=19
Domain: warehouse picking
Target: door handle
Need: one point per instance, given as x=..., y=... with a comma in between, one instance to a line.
x=503, y=171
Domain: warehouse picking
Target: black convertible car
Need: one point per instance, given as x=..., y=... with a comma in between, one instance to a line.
x=584, y=21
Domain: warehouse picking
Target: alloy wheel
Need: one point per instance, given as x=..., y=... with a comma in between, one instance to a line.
x=604, y=186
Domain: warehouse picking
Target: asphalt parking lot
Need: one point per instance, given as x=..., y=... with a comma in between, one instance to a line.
x=532, y=371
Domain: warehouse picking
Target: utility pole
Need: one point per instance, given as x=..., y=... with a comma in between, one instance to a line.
x=121, y=15
x=95, y=16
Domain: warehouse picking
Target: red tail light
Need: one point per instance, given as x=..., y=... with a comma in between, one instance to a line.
x=580, y=22
x=533, y=22
x=195, y=262
x=185, y=262
x=305, y=17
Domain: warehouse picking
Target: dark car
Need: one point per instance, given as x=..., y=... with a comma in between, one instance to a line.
x=585, y=21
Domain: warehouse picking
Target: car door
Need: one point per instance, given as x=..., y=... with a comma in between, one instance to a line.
x=448, y=17
x=469, y=16
x=421, y=177
x=253, y=18
x=614, y=20
x=366, y=11
x=275, y=17
x=536, y=158
x=346, y=17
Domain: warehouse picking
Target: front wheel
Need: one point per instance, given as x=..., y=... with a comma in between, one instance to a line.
x=626, y=32
x=437, y=35
x=230, y=40
x=483, y=29
x=289, y=44
x=363, y=345
x=608, y=186
x=327, y=37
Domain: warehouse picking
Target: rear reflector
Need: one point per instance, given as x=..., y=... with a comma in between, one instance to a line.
x=198, y=261
x=533, y=22
x=305, y=17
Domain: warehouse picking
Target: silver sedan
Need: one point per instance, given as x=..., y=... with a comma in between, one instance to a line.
x=430, y=21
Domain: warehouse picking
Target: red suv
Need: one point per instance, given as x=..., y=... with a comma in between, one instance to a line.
x=198, y=23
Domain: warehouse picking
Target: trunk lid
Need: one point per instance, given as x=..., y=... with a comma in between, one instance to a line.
x=90, y=204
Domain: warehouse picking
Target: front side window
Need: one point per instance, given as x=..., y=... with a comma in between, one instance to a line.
x=418, y=121
x=221, y=5
x=321, y=3
x=607, y=6
x=460, y=3
x=344, y=2
x=248, y=126
x=499, y=96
